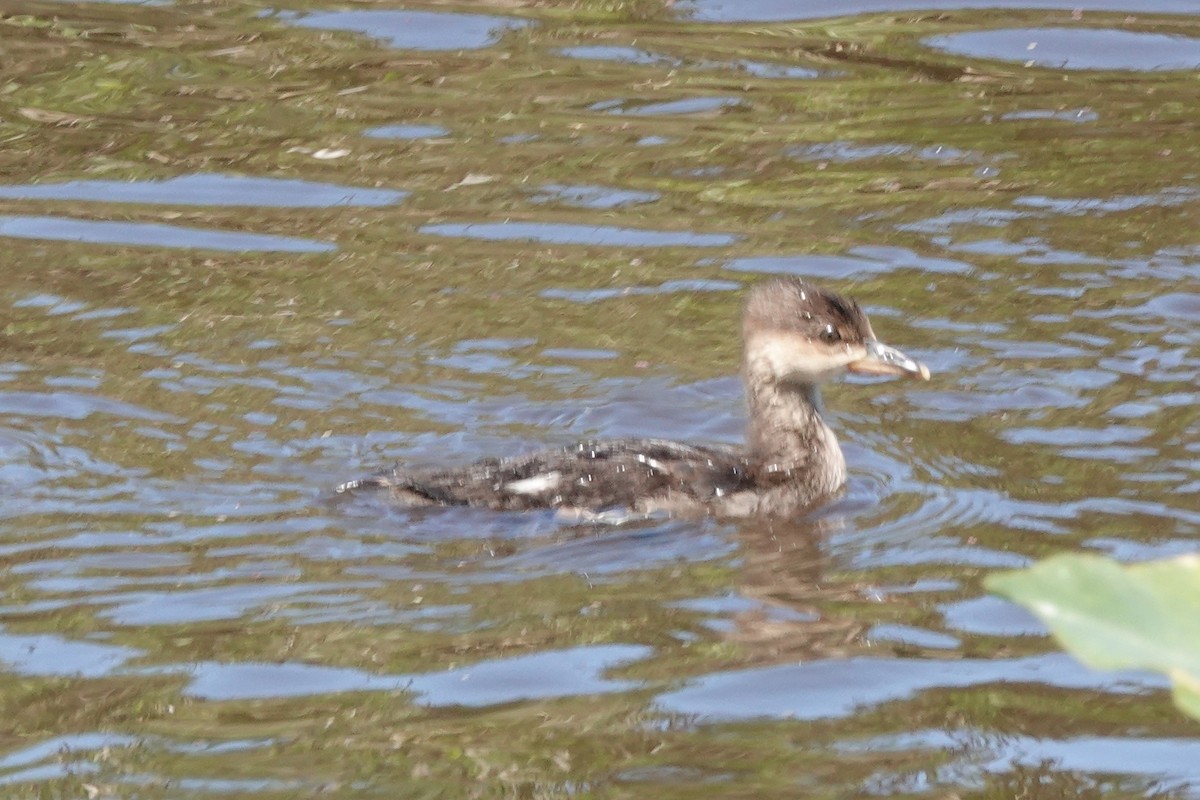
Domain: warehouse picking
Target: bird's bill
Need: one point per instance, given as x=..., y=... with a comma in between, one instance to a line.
x=884, y=360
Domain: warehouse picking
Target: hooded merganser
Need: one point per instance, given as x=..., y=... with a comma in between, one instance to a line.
x=796, y=336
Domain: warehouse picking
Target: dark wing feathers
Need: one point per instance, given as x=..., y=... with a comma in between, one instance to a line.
x=591, y=474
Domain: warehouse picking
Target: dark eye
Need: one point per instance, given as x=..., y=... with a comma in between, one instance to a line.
x=829, y=334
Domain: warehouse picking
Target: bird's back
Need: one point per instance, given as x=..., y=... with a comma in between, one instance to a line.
x=642, y=475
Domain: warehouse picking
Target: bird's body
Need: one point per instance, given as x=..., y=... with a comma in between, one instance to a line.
x=644, y=475
x=795, y=335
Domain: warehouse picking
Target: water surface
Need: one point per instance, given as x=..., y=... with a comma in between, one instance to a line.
x=208, y=190
x=248, y=257
x=1076, y=48
x=781, y=10
x=415, y=30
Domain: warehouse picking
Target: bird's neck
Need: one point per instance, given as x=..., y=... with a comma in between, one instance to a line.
x=787, y=433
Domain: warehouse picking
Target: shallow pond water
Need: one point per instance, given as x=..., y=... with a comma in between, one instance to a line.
x=1076, y=48
x=249, y=255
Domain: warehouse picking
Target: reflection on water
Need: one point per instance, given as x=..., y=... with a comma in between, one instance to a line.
x=187, y=607
x=1076, y=48
x=1067, y=115
x=564, y=233
x=627, y=55
x=780, y=10
x=209, y=190
x=842, y=687
x=407, y=132
x=668, y=287
x=859, y=263
x=632, y=55
x=592, y=196
x=538, y=676
x=151, y=234
x=413, y=30
x=690, y=105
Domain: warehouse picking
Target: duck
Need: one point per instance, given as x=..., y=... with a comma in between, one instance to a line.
x=796, y=336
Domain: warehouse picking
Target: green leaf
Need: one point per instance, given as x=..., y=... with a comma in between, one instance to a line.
x=1109, y=616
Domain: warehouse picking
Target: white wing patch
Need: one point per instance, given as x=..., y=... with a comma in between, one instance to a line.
x=652, y=463
x=535, y=484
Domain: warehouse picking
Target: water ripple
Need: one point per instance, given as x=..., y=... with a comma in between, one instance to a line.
x=210, y=190
x=840, y=687
x=149, y=234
